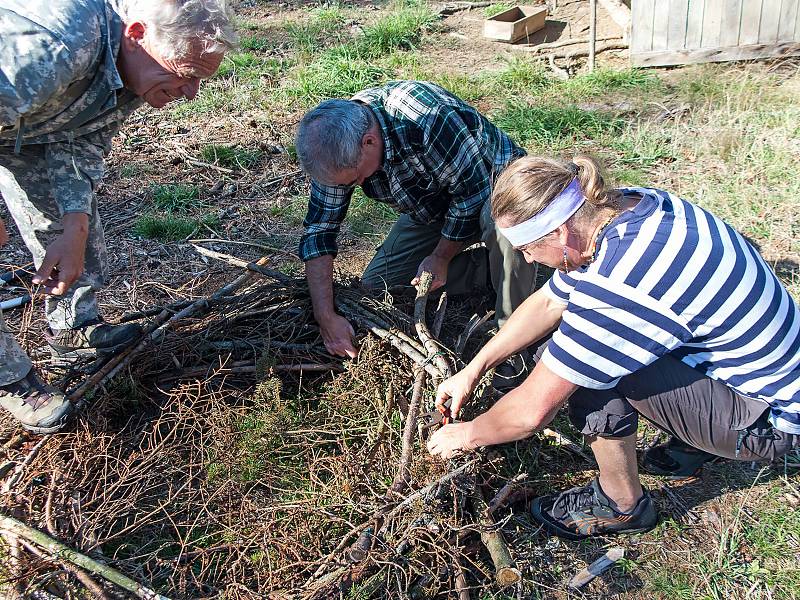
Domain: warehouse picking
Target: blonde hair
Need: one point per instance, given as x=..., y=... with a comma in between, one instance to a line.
x=530, y=183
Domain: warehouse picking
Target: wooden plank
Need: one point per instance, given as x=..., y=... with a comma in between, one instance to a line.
x=676, y=34
x=642, y=25
x=694, y=23
x=797, y=25
x=751, y=22
x=770, y=19
x=788, y=21
x=731, y=21
x=660, y=24
x=712, y=24
x=682, y=57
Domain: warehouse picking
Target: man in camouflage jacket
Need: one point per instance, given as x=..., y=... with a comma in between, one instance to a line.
x=71, y=71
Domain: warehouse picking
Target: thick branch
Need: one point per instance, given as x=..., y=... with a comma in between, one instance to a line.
x=506, y=572
x=64, y=553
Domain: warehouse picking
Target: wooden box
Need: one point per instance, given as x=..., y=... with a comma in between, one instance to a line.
x=515, y=23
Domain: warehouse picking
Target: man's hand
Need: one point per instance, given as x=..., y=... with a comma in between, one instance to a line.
x=3, y=233
x=457, y=389
x=64, y=259
x=436, y=266
x=337, y=333
x=450, y=440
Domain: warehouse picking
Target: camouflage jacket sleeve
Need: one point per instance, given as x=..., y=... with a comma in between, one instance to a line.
x=36, y=66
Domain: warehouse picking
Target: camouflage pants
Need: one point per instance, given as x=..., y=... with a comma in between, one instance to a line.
x=14, y=363
x=29, y=192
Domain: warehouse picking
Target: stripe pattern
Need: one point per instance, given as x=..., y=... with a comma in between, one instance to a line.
x=671, y=278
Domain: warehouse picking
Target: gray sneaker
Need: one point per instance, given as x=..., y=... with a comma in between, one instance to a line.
x=581, y=512
x=39, y=407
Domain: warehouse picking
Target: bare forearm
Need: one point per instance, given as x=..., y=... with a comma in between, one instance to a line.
x=447, y=249
x=522, y=411
x=533, y=319
x=319, y=273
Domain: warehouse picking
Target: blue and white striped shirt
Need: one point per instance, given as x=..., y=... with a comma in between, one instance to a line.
x=671, y=278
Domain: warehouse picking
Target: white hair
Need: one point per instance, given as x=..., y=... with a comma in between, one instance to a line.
x=177, y=25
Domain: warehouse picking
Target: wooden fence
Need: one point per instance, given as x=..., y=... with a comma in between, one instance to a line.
x=670, y=32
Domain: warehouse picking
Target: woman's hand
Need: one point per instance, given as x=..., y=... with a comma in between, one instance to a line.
x=3, y=234
x=451, y=439
x=457, y=389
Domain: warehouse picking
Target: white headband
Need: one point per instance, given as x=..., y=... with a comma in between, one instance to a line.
x=555, y=214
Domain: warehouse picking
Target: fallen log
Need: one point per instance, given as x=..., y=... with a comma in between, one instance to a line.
x=560, y=44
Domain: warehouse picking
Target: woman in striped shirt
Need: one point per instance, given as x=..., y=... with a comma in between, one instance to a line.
x=659, y=308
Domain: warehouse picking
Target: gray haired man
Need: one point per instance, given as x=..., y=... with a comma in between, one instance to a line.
x=431, y=156
x=72, y=72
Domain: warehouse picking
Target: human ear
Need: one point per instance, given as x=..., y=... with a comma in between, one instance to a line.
x=135, y=32
x=562, y=233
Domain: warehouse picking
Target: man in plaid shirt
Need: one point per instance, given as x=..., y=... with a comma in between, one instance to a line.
x=432, y=157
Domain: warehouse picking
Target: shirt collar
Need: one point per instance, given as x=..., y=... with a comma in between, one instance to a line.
x=388, y=148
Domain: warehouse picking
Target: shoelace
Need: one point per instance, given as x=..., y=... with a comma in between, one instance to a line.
x=574, y=500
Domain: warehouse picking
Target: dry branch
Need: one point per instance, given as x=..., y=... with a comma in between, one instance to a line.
x=65, y=553
x=605, y=47
x=432, y=347
x=505, y=569
x=401, y=479
x=565, y=442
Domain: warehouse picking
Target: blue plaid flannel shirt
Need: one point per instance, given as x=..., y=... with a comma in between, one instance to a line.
x=440, y=158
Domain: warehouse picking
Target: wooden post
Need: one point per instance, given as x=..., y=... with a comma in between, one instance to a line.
x=592, y=33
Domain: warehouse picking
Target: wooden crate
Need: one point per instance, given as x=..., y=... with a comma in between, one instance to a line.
x=515, y=23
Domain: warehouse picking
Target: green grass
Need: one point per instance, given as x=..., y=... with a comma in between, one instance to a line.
x=170, y=228
x=254, y=43
x=368, y=217
x=322, y=29
x=357, y=63
x=230, y=157
x=496, y=8
x=332, y=76
x=553, y=128
x=176, y=197
x=246, y=66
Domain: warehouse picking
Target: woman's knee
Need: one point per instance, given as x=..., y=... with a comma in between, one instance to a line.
x=602, y=413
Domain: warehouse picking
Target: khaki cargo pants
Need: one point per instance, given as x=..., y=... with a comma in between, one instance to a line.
x=396, y=262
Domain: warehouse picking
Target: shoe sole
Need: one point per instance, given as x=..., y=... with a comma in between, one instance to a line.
x=46, y=430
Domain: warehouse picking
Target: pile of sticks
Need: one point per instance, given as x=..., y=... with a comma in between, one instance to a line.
x=157, y=488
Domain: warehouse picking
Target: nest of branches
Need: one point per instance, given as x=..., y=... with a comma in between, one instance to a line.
x=228, y=455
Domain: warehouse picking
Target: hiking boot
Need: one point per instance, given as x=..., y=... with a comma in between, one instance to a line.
x=580, y=512
x=39, y=407
x=97, y=338
x=675, y=459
